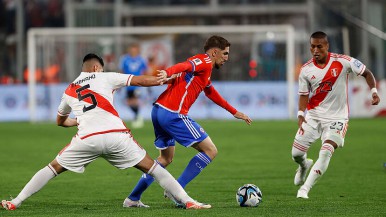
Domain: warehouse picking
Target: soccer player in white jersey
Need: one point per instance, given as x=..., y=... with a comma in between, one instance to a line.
x=101, y=133
x=323, y=92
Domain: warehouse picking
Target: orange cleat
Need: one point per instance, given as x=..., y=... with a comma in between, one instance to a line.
x=197, y=205
x=8, y=205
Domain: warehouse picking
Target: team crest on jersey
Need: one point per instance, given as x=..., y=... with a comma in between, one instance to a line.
x=202, y=130
x=334, y=72
x=197, y=61
x=357, y=63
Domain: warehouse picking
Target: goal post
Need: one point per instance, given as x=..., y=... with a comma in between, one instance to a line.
x=68, y=43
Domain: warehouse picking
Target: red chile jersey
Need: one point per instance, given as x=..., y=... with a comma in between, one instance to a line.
x=193, y=77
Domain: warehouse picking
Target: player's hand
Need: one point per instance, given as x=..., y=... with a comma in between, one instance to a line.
x=172, y=77
x=162, y=77
x=240, y=115
x=376, y=99
x=301, y=119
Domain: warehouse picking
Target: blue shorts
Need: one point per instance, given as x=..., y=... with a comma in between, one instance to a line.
x=170, y=127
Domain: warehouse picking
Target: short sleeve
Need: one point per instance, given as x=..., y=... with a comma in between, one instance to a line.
x=303, y=84
x=64, y=109
x=118, y=80
x=357, y=66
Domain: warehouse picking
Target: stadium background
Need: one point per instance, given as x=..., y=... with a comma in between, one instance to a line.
x=261, y=153
x=355, y=27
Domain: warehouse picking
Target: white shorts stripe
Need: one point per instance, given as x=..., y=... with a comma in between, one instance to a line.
x=189, y=125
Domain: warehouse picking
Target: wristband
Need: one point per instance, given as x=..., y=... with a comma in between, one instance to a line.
x=300, y=113
x=374, y=90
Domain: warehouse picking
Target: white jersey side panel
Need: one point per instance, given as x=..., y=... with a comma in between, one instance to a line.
x=90, y=98
x=327, y=86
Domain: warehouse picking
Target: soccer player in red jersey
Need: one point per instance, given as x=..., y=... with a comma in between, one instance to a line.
x=323, y=92
x=170, y=113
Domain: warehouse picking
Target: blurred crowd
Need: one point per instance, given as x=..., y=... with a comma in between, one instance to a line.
x=37, y=13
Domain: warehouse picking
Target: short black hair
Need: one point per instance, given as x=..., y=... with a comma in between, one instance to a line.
x=93, y=56
x=216, y=41
x=319, y=34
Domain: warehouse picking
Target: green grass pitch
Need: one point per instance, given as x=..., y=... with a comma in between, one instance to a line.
x=354, y=185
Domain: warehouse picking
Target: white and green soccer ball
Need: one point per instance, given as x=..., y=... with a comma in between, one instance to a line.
x=249, y=195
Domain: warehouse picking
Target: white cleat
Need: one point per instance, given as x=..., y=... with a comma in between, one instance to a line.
x=301, y=172
x=134, y=204
x=138, y=123
x=302, y=193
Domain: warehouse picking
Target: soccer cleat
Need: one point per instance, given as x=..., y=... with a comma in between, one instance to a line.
x=197, y=205
x=172, y=198
x=301, y=173
x=8, y=205
x=302, y=193
x=134, y=204
x=137, y=123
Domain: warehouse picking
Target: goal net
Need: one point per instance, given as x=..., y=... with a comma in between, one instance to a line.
x=260, y=69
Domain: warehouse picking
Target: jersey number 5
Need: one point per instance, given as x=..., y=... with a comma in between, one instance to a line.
x=82, y=97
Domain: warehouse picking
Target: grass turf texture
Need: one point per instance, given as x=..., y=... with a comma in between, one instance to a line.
x=354, y=184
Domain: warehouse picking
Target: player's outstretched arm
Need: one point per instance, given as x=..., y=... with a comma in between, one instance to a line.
x=148, y=80
x=240, y=115
x=213, y=95
x=368, y=75
x=65, y=121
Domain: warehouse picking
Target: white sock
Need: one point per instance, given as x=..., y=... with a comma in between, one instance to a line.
x=320, y=165
x=37, y=182
x=167, y=182
x=299, y=153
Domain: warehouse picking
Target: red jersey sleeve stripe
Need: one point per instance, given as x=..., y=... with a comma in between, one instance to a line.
x=61, y=114
x=363, y=69
x=129, y=80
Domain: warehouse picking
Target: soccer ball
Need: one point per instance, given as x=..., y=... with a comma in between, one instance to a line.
x=249, y=195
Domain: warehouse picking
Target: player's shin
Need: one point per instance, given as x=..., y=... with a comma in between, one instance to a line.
x=143, y=183
x=321, y=165
x=167, y=182
x=299, y=153
x=195, y=166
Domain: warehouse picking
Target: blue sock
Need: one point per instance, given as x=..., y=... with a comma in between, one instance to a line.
x=143, y=183
x=198, y=163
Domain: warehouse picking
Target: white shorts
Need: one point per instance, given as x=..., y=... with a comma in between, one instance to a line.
x=326, y=130
x=119, y=149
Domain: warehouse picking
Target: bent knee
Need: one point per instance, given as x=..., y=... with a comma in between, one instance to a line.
x=165, y=161
x=298, y=150
x=211, y=152
x=337, y=142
